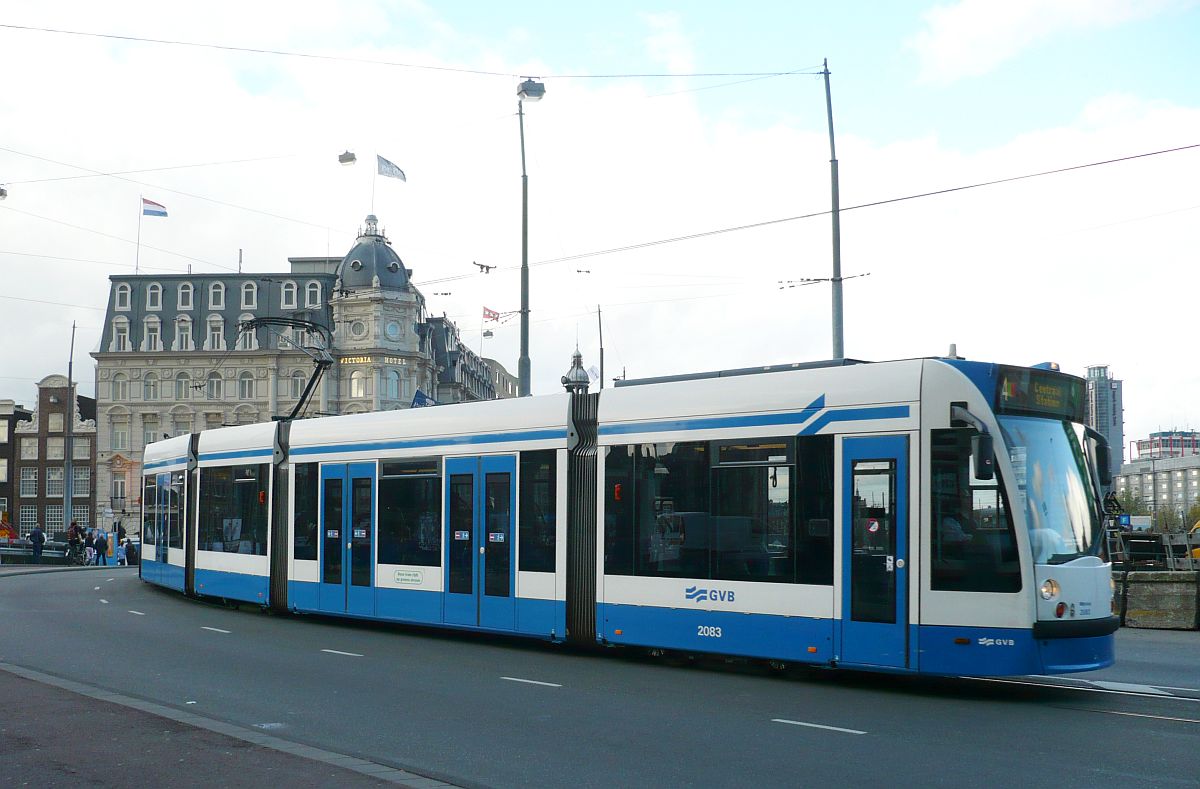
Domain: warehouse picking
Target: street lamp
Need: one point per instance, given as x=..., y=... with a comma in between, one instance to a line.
x=529, y=90
x=347, y=157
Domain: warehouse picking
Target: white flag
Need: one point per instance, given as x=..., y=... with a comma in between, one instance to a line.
x=389, y=169
x=593, y=373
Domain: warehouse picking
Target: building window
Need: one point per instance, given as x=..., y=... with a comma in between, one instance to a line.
x=249, y=296
x=358, y=384
x=312, y=295
x=54, y=482
x=183, y=335
x=215, y=340
x=56, y=423
x=120, y=387
x=29, y=449
x=246, y=386
x=150, y=387
x=152, y=340
x=215, y=387
x=4, y=475
x=118, y=491
x=183, y=387
x=216, y=296
x=298, y=381
x=28, y=518
x=120, y=438
x=56, y=448
x=393, y=385
x=154, y=296
x=82, y=448
x=247, y=337
x=81, y=481
x=120, y=335
x=82, y=516
x=185, y=296
x=121, y=297
x=29, y=482
x=54, y=518
x=183, y=425
x=288, y=297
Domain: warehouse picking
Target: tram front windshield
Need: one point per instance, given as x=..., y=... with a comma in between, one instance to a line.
x=1054, y=486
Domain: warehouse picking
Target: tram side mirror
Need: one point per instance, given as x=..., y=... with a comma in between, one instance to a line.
x=1104, y=463
x=983, y=456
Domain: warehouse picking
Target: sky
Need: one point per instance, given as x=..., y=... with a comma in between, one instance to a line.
x=240, y=141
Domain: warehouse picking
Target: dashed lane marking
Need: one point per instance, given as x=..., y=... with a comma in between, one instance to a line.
x=817, y=726
x=138, y=613
x=214, y=629
x=97, y=588
x=339, y=652
x=103, y=601
x=532, y=682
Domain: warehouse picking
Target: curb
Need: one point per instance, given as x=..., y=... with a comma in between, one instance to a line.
x=50, y=568
x=383, y=772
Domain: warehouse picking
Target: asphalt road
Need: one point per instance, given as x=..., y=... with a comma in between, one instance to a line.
x=494, y=712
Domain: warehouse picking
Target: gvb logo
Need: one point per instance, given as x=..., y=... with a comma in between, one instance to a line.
x=697, y=594
x=997, y=642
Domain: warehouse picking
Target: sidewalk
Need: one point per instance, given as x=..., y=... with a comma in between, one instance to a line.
x=53, y=737
x=30, y=569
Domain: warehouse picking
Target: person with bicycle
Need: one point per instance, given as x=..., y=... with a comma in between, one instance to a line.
x=75, y=554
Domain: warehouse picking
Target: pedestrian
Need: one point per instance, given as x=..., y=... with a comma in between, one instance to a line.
x=37, y=538
x=120, y=533
x=101, y=548
x=89, y=546
x=119, y=554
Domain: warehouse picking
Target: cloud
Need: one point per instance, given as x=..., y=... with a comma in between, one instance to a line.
x=668, y=44
x=973, y=37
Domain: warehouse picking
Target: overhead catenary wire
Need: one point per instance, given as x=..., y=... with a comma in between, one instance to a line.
x=389, y=63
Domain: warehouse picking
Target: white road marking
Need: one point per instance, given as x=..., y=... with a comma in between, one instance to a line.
x=1128, y=686
x=339, y=652
x=103, y=601
x=106, y=580
x=139, y=613
x=532, y=682
x=1084, y=690
x=214, y=629
x=1141, y=715
x=97, y=588
x=189, y=702
x=268, y=725
x=817, y=726
x=1172, y=687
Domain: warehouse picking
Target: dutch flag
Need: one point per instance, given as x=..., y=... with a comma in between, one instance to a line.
x=151, y=208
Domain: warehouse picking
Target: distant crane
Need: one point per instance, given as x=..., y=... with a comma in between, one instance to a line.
x=482, y=268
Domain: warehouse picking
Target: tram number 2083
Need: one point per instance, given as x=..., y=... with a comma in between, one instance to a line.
x=708, y=632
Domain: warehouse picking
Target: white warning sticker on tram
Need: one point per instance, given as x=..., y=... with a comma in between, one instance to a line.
x=409, y=577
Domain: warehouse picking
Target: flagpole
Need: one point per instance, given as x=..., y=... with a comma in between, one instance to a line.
x=374, y=178
x=137, y=259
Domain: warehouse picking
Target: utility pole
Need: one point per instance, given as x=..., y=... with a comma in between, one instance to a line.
x=838, y=348
x=600, y=323
x=69, y=441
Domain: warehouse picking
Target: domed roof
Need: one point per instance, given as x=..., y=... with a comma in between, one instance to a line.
x=372, y=263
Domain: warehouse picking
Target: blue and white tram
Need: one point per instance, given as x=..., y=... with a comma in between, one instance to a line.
x=930, y=515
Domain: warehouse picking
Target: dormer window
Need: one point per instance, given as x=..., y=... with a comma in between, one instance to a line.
x=356, y=265
x=183, y=334
x=152, y=335
x=215, y=337
x=247, y=337
x=216, y=296
x=154, y=296
x=249, y=296
x=121, y=297
x=120, y=335
x=289, y=296
x=185, y=296
x=312, y=296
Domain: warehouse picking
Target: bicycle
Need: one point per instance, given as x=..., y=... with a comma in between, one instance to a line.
x=75, y=555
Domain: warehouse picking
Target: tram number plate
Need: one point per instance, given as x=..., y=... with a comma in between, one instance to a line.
x=707, y=631
x=462, y=535
x=333, y=534
x=495, y=536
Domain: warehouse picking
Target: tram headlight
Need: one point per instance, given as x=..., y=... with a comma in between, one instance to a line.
x=1050, y=589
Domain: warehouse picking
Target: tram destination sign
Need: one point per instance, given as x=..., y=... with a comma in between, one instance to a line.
x=1040, y=393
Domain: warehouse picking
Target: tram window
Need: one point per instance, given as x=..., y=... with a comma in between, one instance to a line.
x=537, y=510
x=973, y=547
x=149, y=510
x=751, y=525
x=410, y=513
x=618, y=510
x=305, y=536
x=233, y=509
x=814, y=510
x=177, y=510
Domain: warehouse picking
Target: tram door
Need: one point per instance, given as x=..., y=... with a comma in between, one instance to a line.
x=480, y=545
x=347, y=542
x=874, y=550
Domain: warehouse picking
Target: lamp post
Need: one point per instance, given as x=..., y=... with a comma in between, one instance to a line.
x=529, y=90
